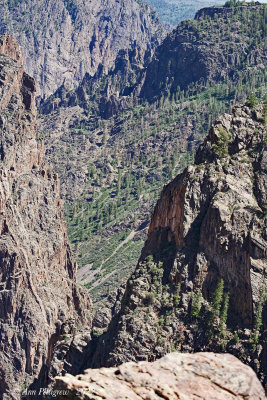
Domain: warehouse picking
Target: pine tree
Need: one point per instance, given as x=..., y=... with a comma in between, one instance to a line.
x=224, y=314
x=253, y=101
x=217, y=300
x=258, y=315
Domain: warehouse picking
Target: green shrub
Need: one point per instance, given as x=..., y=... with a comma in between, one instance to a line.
x=176, y=296
x=224, y=315
x=236, y=337
x=253, y=101
x=223, y=140
x=149, y=299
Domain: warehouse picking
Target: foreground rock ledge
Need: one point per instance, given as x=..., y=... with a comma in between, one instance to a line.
x=206, y=376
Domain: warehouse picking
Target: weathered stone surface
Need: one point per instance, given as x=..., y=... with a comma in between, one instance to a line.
x=39, y=298
x=205, y=376
x=8, y=46
x=64, y=39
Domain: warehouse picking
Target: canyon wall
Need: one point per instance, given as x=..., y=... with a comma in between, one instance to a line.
x=39, y=299
x=63, y=39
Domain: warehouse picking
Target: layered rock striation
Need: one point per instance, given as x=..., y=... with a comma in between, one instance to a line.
x=39, y=298
x=201, y=280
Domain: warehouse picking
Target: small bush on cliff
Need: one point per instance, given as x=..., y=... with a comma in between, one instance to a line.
x=149, y=299
x=176, y=296
x=236, y=338
x=223, y=140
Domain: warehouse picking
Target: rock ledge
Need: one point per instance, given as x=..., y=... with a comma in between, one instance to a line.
x=175, y=376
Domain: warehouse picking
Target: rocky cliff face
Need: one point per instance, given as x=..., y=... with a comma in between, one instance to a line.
x=62, y=40
x=201, y=280
x=198, y=53
x=176, y=376
x=212, y=48
x=105, y=94
x=40, y=300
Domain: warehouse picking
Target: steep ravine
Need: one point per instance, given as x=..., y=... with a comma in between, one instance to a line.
x=200, y=283
x=208, y=227
x=40, y=301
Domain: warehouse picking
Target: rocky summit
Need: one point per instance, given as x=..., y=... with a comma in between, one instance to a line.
x=204, y=376
x=63, y=39
x=200, y=283
x=40, y=301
